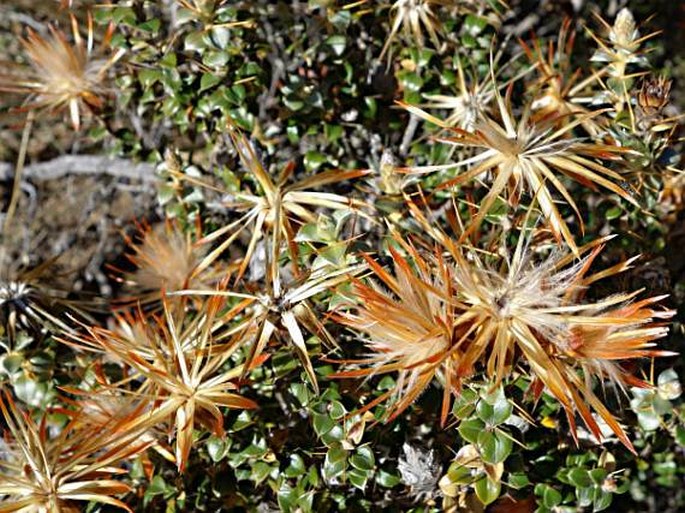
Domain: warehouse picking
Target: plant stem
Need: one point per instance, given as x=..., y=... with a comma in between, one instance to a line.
x=21, y=159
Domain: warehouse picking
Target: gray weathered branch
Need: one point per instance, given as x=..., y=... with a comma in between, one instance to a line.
x=83, y=165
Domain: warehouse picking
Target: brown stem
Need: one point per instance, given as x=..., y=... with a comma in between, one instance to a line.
x=21, y=159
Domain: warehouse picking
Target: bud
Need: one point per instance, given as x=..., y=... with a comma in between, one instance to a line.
x=654, y=94
x=624, y=33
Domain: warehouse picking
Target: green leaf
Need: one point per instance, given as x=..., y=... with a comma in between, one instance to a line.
x=410, y=81
x=598, y=475
x=363, y=459
x=487, y=490
x=680, y=435
x=337, y=44
x=260, y=470
x=151, y=26
x=296, y=467
x=301, y=393
x=215, y=58
x=335, y=462
x=518, y=480
x=459, y=474
x=550, y=497
x=469, y=429
x=337, y=410
x=386, y=479
x=494, y=447
x=474, y=25
x=323, y=423
x=12, y=362
x=602, y=500
x=358, y=478
x=287, y=497
x=585, y=496
x=313, y=476
x=668, y=385
x=29, y=391
x=579, y=477
x=334, y=254
x=216, y=448
x=220, y=36
x=494, y=409
x=464, y=405
x=613, y=213
x=209, y=80
x=157, y=486
x=313, y=160
x=123, y=16
x=332, y=132
x=148, y=77
x=497, y=211
x=195, y=41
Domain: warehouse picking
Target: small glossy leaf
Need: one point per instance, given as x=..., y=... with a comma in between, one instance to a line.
x=469, y=429
x=296, y=467
x=550, y=496
x=487, y=490
x=386, y=479
x=209, y=80
x=494, y=447
x=363, y=459
x=579, y=477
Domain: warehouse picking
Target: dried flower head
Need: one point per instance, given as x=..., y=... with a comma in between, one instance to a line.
x=31, y=302
x=471, y=102
x=420, y=470
x=270, y=316
x=411, y=17
x=654, y=95
x=48, y=470
x=448, y=316
x=560, y=92
x=536, y=308
x=523, y=156
x=166, y=258
x=274, y=212
x=181, y=360
x=62, y=74
x=407, y=319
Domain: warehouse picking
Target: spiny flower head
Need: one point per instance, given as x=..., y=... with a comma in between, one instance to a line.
x=274, y=212
x=535, y=309
x=447, y=316
x=45, y=469
x=407, y=320
x=269, y=316
x=561, y=92
x=32, y=301
x=62, y=74
x=181, y=361
x=412, y=17
x=166, y=259
x=467, y=106
x=523, y=156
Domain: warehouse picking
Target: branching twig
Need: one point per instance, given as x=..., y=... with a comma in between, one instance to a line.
x=83, y=165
